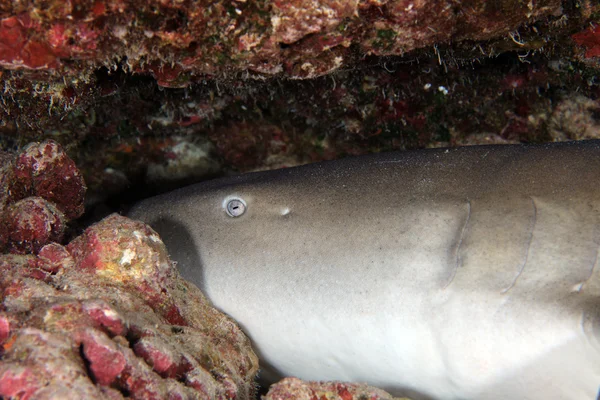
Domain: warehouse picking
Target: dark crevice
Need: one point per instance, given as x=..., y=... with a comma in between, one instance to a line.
x=132, y=337
x=86, y=364
x=177, y=329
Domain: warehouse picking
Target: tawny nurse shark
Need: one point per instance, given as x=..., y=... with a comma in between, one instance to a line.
x=467, y=273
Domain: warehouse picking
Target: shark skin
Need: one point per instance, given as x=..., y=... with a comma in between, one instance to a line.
x=466, y=273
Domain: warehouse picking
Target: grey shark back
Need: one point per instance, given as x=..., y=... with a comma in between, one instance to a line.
x=467, y=273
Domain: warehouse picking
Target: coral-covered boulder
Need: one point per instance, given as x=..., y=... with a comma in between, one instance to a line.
x=44, y=170
x=41, y=189
x=27, y=225
x=296, y=389
x=108, y=316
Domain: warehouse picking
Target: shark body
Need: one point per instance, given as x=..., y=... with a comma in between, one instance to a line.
x=467, y=273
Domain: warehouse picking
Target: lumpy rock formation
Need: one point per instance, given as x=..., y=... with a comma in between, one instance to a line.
x=106, y=316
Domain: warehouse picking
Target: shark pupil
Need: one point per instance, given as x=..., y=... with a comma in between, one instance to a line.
x=235, y=207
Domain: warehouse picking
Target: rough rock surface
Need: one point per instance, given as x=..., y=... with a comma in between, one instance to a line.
x=177, y=40
x=296, y=389
x=41, y=190
x=45, y=170
x=139, y=90
x=589, y=41
x=27, y=225
x=575, y=118
x=107, y=316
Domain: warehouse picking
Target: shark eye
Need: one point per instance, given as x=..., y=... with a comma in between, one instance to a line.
x=235, y=207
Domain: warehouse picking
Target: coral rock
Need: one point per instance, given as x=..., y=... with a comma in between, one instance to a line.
x=53, y=257
x=19, y=383
x=177, y=41
x=109, y=317
x=131, y=254
x=29, y=224
x=106, y=362
x=296, y=389
x=590, y=40
x=40, y=190
x=574, y=118
x=45, y=170
x=161, y=357
x=43, y=365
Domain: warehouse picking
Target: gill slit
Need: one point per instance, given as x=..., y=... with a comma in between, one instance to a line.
x=529, y=241
x=460, y=241
x=591, y=271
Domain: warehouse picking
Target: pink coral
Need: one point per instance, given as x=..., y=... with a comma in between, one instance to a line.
x=18, y=49
x=107, y=316
x=142, y=330
x=135, y=258
x=40, y=190
x=182, y=41
x=45, y=170
x=29, y=224
x=590, y=39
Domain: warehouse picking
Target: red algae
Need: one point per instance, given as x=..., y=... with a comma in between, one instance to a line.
x=105, y=360
x=119, y=314
x=108, y=315
x=20, y=383
x=179, y=42
x=590, y=39
x=42, y=189
x=27, y=225
x=45, y=170
x=17, y=49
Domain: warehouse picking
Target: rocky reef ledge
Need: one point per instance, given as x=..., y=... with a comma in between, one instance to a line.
x=105, y=316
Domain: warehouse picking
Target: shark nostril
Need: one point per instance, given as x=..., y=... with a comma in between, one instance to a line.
x=235, y=207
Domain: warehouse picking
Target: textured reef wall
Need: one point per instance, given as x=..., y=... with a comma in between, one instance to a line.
x=177, y=41
x=163, y=91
